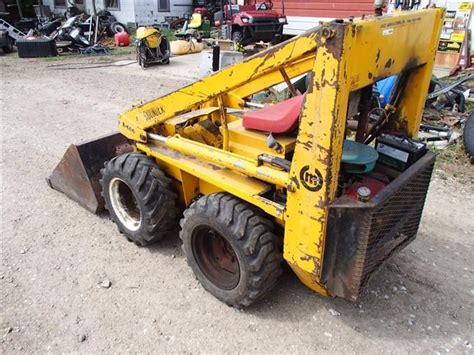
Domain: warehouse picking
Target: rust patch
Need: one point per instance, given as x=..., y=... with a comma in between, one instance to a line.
x=294, y=180
x=310, y=79
x=321, y=203
x=334, y=44
x=353, y=31
x=214, y=167
x=306, y=145
x=324, y=149
x=316, y=263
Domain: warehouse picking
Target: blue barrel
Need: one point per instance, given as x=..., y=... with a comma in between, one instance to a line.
x=385, y=88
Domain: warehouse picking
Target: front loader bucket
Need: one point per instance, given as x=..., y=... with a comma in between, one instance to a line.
x=78, y=173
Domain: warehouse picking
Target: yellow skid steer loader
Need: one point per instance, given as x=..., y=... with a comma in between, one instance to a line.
x=330, y=179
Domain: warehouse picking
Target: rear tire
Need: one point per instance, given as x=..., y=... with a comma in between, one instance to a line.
x=140, y=198
x=231, y=248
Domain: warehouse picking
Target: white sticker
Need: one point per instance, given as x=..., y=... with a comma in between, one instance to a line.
x=392, y=152
x=388, y=32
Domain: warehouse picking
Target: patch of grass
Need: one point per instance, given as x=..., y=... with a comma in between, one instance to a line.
x=168, y=34
x=123, y=50
x=61, y=57
x=454, y=162
x=132, y=29
x=453, y=154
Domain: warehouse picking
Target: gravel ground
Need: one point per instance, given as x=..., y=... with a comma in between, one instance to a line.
x=70, y=282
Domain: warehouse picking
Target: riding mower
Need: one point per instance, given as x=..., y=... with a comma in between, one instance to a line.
x=196, y=27
x=152, y=47
x=328, y=180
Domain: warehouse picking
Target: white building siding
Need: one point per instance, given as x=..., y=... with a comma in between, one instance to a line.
x=299, y=24
x=147, y=11
x=143, y=12
x=126, y=13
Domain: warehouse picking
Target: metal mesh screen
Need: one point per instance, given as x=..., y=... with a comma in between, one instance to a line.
x=361, y=236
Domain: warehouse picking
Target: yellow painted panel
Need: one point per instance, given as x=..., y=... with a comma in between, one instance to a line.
x=253, y=143
x=239, y=185
x=389, y=45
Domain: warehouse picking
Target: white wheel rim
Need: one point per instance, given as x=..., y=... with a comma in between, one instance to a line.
x=125, y=204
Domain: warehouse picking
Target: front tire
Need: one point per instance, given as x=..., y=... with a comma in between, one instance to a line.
x=231, y=248
x=8, y=48
x=140, y=198
x=238, y=39
x=141, y=57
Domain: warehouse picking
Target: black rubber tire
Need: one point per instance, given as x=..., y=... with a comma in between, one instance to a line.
x=8, y=48
x=141, y=57
x=249, y=234
x=152, y=193
x=469, y=136
x=116, y=27
x=238, y=38
x=142, y=63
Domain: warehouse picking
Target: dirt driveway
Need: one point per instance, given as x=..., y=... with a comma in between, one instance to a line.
x=70, y=282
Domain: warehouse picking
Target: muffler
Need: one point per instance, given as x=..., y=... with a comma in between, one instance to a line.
x=78, y=173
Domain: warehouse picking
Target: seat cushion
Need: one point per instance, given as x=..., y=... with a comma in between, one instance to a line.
x=279, y=118
x=196, y=21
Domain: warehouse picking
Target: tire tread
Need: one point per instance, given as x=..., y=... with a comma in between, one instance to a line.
x=252, y=233
x=160, y=209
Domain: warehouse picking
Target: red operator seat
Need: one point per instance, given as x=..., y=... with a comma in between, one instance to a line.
x=279, y=118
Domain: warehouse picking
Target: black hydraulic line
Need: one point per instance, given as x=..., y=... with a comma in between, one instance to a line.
x=362, y=125
x=380, y=125
x=275, y=161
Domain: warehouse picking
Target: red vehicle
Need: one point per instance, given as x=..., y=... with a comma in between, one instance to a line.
x=250, y=23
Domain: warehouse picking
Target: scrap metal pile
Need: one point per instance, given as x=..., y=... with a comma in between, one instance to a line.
x=449, y=108
x=48, y=35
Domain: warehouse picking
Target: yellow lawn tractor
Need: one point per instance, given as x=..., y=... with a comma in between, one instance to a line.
x=329, y=180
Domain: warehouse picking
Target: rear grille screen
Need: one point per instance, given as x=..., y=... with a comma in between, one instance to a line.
x=361, y=236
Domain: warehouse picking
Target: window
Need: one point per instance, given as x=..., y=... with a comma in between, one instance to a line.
x=112, y=4
x=164, y=5
x=59, y=3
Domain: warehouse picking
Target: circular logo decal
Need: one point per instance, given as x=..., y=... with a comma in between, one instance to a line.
x=312, y=180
